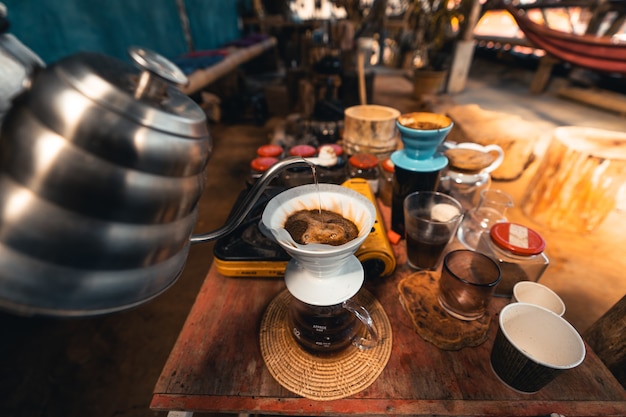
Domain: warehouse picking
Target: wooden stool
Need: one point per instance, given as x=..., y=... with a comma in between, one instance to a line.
x=607, y=338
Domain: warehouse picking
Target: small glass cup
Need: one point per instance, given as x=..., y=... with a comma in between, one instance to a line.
x=430, y=220
x=468, y=280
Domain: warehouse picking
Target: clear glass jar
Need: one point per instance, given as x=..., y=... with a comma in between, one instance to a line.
x=385, y=181
x=364, y=165
x=270, y=150
x=258, y=166
x=334, y=174
x=293, y=177
x=518, y=250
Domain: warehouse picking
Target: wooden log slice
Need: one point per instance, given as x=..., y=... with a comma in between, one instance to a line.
x=418, y=296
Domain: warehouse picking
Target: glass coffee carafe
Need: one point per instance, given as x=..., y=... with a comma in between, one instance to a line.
x=330, y=329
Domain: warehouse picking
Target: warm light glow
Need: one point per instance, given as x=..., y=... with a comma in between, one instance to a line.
x=306, y=10
x=498, y=23
x=16, y=202
x=46, y=150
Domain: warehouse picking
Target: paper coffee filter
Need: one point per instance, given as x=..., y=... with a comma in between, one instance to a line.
x=349, y=203
x=407, y=119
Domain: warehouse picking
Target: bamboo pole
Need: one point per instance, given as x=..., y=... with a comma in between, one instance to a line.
x=205, y=76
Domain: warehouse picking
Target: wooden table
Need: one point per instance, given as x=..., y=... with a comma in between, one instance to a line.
x=216, y=366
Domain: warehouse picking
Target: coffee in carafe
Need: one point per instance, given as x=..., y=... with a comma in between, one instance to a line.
x=323, y=329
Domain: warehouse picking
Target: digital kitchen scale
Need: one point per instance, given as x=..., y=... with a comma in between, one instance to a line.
x=246, y=252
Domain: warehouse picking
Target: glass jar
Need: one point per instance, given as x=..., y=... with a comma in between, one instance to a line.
x=258, y=166
x=305, y=151
x=270, y=150
x=518, y=250
x=334, y=174
x=300, y=175
x=385, y=181
x=364, y=165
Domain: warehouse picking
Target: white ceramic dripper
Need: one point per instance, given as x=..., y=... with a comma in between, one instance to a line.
x=320, y=274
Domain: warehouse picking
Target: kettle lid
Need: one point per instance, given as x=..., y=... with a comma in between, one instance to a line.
x=147, y=94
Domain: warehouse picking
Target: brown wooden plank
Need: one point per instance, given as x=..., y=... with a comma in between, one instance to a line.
x=596, y=97
x=356, y=406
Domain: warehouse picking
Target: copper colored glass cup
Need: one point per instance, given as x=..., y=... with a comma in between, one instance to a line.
x=467, y=283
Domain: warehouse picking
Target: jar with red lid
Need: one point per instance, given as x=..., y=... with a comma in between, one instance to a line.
x=518, y=250
x=259, y=165
x=335, y=173
x=300, y=175
x=364, y=165
x=305, y=151
x=385, y=181
x=270, y=150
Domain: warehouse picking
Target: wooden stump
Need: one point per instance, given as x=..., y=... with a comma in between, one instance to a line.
x=418, y=295
x=576, y=184
x=370, y=129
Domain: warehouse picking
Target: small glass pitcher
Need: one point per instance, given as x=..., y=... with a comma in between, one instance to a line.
x=465, y=187
x=330, y=329
x=466, y=184
x=490, y=210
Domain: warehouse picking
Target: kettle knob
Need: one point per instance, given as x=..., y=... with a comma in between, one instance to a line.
x=157, y=73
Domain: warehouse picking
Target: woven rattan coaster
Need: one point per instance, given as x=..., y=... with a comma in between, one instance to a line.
x=418, y=296
x=322, y=378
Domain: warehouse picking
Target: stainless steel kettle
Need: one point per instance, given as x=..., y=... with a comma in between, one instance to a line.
x=101, y=169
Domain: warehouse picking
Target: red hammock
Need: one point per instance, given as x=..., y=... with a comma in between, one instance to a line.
x=593, y=52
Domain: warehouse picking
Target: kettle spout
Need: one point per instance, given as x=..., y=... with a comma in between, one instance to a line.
x=251, y=198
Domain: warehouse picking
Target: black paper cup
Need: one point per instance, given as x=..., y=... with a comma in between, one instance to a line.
x=534, y=345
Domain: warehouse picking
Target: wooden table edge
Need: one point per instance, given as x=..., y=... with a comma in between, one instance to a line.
x=359, y=406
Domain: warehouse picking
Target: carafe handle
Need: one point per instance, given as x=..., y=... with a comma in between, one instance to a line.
x=364, y=316
x=495, y=164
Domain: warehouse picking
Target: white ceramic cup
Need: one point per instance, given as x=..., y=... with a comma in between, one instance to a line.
x=538, y=294
x=532, y=346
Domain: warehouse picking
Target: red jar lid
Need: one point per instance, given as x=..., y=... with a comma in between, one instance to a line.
x=517, y=239
x=388, y=165
x=337, y=148
x=363, y=161
x=302, y=150
x=269, y=150
x=263, y=163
